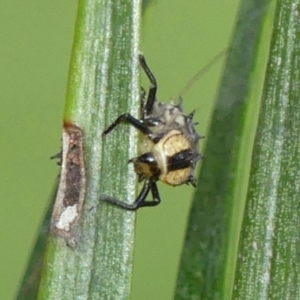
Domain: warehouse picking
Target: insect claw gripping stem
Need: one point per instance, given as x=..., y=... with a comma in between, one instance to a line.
x=129, y=119
x=140, y=200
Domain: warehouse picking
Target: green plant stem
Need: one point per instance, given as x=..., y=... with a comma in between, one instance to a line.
x=209, y=255
x=103, y=83
x=268, y=265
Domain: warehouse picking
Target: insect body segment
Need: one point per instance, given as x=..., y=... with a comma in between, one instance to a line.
x=169, y=148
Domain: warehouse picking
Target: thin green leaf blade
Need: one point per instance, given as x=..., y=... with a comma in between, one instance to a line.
x=268, y=265
x=103, y=83
x=209, y=255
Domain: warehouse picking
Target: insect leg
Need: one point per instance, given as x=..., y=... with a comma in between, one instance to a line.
x=153, y=88
x=155, y=195
x=143, y=99
x=131, y=120
x=136, y=204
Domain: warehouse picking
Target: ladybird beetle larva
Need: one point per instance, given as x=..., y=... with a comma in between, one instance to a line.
x=169, y=148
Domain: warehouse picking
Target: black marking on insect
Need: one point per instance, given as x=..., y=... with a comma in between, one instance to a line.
x=72, y=185
x=169, y=149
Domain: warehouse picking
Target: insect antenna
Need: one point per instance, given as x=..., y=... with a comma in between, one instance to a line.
x=202, y=71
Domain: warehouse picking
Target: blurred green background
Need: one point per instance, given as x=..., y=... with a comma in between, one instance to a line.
x=178, y=39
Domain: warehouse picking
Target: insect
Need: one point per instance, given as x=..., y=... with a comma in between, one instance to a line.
x=169, y=147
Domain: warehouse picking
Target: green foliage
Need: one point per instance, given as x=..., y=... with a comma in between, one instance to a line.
x=268, y=263
x=238, y=245
x=242, y=238
x=103, y=82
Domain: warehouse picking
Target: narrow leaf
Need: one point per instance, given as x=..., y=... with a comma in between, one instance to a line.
x=90, y=247
x=209, y=255
x=268, y=265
